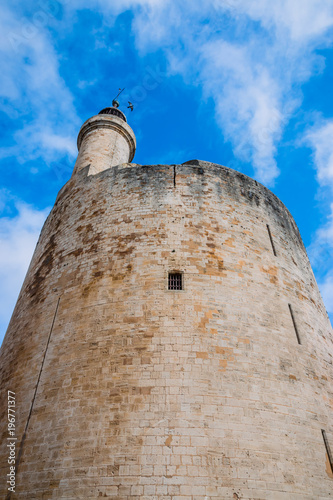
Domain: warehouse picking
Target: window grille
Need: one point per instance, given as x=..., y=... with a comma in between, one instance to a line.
x=175, y=281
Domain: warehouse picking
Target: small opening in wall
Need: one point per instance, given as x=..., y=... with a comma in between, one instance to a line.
x=328, y=449
x=271, y=238
x=294, y=323
x=175, y=281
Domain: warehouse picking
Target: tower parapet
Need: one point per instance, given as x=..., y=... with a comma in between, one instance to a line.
x=104, y=141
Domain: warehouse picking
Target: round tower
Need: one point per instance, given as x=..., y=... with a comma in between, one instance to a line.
x=104, y=141
x=169, y=340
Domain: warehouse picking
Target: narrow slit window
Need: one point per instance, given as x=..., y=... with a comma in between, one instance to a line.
x=271, y=238
x=294, y=323
x=175, y=281
x=328, y=449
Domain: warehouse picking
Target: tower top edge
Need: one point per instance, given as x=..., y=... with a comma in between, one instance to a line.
x=113, y=111
x=109, y=121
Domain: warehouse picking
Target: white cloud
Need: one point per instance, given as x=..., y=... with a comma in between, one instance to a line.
x=32, y=88
x=35, y=141
x=18, y=237
x=251, y=74
x=247, y=104
x=300, y=21
x=319, y=138
x=321, y=248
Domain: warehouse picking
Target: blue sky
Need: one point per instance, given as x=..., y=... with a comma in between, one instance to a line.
x=240, y=83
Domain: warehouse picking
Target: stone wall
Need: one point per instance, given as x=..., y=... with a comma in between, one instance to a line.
x=146, y=393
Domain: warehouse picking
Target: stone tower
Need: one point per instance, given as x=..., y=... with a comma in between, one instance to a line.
x=169, y=340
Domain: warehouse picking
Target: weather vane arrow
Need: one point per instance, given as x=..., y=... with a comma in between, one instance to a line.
x=116, y=104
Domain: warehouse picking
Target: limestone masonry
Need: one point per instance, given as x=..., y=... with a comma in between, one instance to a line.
x=128, y=390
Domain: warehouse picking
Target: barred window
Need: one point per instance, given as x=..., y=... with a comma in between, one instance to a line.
x=175, y=281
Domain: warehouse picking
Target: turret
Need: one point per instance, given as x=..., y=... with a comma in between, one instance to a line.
x=104, y=141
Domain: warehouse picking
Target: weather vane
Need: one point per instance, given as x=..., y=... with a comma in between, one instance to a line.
x=116, y=104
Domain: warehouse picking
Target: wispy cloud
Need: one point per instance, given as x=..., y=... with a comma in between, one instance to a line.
x=252, y=74
x=248, y=104
x=319, y=138
x=34, y=95
x=302, y=20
